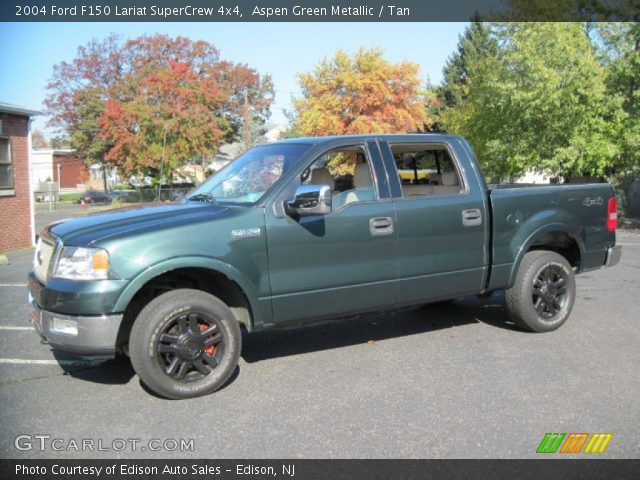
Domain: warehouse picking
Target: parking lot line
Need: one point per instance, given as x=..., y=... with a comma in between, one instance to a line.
x=13, y=284
x=15, y=328
x=21, y=361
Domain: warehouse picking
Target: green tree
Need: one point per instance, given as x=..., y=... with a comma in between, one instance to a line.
x=620, y=50
x=475, y=44
x=621, y=55
x=540, y=103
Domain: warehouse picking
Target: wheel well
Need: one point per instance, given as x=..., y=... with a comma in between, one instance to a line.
x=561, y=243
x=203, y=279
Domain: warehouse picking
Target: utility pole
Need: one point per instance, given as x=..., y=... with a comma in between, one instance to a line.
x=164, y=144
x=247, y=122
x=103, y=165
x=59, y=182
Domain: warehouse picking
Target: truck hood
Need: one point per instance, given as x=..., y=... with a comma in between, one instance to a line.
x=92, y=228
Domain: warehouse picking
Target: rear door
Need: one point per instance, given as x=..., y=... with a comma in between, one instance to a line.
x=440, y=220
x=343, y=262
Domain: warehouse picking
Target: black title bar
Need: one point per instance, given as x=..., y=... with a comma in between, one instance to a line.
x=547, y=469
x=315, y=10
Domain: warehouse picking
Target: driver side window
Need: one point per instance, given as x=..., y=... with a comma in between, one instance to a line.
x=347, y=171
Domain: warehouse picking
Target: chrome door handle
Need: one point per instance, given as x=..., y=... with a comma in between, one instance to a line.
x=472, y=217
x=380, y=226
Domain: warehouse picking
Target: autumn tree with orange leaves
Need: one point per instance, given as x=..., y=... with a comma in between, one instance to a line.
x=152, y=100
x=363, y=93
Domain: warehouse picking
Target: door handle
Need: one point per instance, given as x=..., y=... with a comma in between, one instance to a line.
x=472, y=217
x=381, y=226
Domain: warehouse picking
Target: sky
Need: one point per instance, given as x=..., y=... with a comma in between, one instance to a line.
x=28, y=51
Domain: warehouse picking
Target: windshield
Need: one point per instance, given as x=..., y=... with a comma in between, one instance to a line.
x=246, y=179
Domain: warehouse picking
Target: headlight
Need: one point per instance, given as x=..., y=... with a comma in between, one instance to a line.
x=78, y=263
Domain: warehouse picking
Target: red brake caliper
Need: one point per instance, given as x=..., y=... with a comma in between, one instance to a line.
x=211, y=349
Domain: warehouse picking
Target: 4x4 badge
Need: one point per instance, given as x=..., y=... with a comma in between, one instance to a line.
x=587, y=202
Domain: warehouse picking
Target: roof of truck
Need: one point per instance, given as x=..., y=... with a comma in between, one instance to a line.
x=360, y=137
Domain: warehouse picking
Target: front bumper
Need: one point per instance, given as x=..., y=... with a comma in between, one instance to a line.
x=96, y=335
x=613, y=256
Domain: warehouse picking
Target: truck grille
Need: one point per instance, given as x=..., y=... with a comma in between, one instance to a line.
x=42, y=260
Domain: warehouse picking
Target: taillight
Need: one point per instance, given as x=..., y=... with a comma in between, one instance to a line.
x=612, y=214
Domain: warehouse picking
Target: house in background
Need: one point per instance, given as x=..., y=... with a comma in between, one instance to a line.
x=69, y=169
x=16, y=197
x=230, y=151
x=275, y=132
x=95, y=178
x=190, y=173
x=48, y=166
x=226, y=153
x=41, y=168
x=536, y=177
x=65, y=164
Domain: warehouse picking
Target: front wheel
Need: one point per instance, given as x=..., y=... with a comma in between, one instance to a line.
x=543, y=294
x=185, y=343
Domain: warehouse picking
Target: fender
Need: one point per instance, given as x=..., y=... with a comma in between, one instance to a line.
x=537, y=233
x=191, y=262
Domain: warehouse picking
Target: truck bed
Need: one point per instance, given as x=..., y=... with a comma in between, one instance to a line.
x=521, y=213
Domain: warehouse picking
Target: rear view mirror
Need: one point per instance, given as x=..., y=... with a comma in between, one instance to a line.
x=310, y=200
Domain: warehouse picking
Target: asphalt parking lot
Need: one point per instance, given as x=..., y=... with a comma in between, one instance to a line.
x=452, y=381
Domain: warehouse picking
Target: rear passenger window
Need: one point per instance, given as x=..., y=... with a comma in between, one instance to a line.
x=426, y=170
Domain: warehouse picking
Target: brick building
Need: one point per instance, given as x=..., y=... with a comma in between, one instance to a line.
x=73, y=172
x=17, y=228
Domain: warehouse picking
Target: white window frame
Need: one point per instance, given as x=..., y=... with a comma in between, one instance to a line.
x=10, y=190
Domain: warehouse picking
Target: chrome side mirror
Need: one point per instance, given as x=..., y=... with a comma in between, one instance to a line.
x=310, y=200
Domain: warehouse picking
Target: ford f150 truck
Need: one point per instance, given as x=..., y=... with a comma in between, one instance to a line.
x=304, y=230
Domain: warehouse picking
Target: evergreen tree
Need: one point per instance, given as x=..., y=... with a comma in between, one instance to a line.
x=476, y=43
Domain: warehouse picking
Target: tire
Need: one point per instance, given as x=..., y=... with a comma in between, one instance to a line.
x=185, y=343
x=543, y=294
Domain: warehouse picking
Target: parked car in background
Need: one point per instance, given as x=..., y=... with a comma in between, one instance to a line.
x=95, y=197
x=118, y=195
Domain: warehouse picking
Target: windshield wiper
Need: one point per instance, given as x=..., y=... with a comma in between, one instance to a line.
x=202, y=197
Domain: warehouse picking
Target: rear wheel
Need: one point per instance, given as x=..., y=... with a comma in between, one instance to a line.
x=185, y=343
x=543, y=294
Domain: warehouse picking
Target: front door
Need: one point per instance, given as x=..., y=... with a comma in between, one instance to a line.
x=343, y=262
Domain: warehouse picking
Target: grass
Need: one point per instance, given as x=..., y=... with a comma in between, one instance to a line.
x=70, y=197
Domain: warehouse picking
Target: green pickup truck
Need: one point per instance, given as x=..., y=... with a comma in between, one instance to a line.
x=305, y=230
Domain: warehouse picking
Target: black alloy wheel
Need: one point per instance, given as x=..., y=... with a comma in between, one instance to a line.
x=543, y=292
x=190, y=346
x=549, y=291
